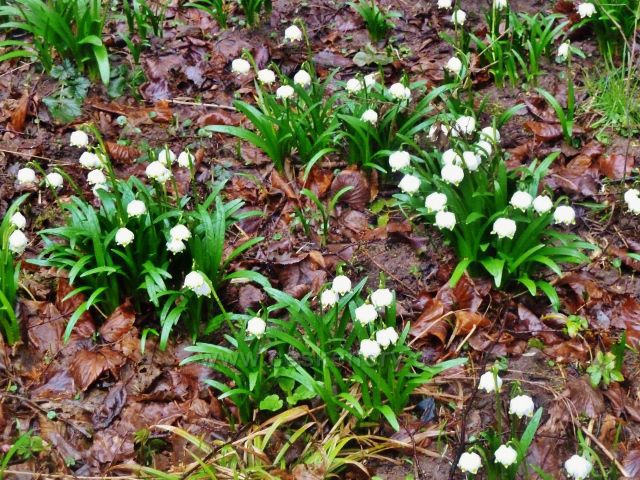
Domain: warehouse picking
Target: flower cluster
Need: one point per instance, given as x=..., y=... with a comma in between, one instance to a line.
x=160, y=169
x=365, y=314
x=17, y=239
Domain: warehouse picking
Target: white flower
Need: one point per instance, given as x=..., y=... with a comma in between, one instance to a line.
x=452, y=174
x=54, y=180
x=17, y=242
x=240, y=66
x=564, y=214
x=470, y=462
x=166, y=157
x=195, y=282
x=490, y=134
x=506, y=455
x=124, y=236
x=369, y=349
x=634, y=205
x=578, y=467
x=79, y=139
x=631, y=194
x=370, y=116
x=459, y=17
x=341, y=285
x=354, y=85
x=284, y=92
x=521, y=406
x=409, y=184
x=521, y=200
x=399, y=160
x=500, y=4
x=542, y=204
x=180, y=232
x=504, y=228
x=256, y=327
x=292, y=34
x=471, y=160
x=563, y=50
x=488, y=383
x=371, y=79
x=382, y=297
x=435, y=202
x=386, y=337
x=365, y=314
x=175, y=246
x=90, y=160
x=158, y=171
x=450, y=157
x=445, y=220
x=186, y=159
x=454, y=65
x=484, y=148
x=136, y=208
x=399, y=91
x=586, y=10
x=445, y=4
x=328, y=298
x=18, y=220
x=99, y=186
x=26, y=176
x=302, y=78
x=464, y=126
x=266, y=76
x=96, y=177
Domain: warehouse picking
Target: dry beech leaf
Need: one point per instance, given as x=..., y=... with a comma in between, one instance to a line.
x=118, y=323
x=613, y=165
x=431, y=322
x=88, y=365
x=545, y=132
x=19, y=115
x=358, y=196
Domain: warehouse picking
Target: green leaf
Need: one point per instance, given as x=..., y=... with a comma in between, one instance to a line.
x=495, y=267
x=390, y=416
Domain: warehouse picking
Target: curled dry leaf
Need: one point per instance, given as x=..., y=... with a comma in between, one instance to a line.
x=431, y=322
x=467, y=321
x=19, y=115
x=359, y=195
x=121, y=153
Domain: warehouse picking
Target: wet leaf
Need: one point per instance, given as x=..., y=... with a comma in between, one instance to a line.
x=585, y=398
x=111, y=407
x=118, y=323
x=88, y=365
x=630, y=311
x=631, y=463
x=613, y=165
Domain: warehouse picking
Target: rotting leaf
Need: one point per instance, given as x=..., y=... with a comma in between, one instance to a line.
x=630, y=310
x=88, y=365
x=631, y=463
x=19, y=115
x=111, y=407
x=585, y=398
x=118, y=323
